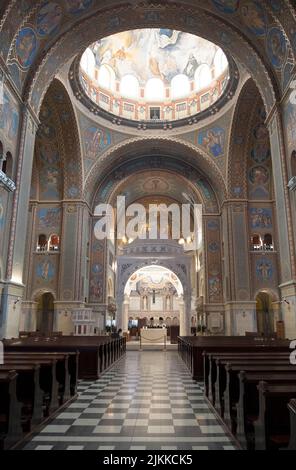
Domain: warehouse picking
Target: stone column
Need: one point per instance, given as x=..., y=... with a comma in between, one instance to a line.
x=14, y=288
x=125, y=313
x=182, y=316
x=284, y=222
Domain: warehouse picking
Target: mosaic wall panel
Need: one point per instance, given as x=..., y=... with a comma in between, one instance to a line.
x=97, y=269
x=213, y=254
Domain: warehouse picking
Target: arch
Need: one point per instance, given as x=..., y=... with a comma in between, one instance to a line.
x=202, y=77
x=180, y=86
x=106, y=78
x=193, y=159
x=268, y=242
x=130, y=87
x=110, y=288
x=235, y=39
x=54, y=242
x=256, y=242
x=265, y=313
x=154, y=90
x=45, y=313
x=42, y=244
x=88, y=63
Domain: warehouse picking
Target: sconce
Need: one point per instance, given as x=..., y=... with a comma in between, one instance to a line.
x=16, y=302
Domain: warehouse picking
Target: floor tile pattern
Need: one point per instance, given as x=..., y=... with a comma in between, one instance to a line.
x=147, y=401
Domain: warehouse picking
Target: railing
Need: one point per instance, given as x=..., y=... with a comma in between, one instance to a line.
x=7, y=182
x=292, y=184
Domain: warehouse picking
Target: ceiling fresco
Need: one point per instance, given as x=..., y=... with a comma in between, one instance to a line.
x=150, y=53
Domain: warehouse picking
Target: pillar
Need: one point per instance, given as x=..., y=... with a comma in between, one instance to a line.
x=14, y=289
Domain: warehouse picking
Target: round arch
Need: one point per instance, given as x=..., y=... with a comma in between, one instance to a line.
x=206, y=20
x=175, y=149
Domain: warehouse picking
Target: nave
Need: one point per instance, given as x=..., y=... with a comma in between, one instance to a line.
x=147, y=401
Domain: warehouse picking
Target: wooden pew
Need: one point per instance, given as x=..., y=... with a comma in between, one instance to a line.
x=292, y=411
x=210, y=366
x=191, y=348
x=28, y=392
x=248, y=403
x=218, y=378
x=10, y=410
x=272, y=427
x=96, y=353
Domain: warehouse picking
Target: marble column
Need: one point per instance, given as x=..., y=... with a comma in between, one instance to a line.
x=286, y=240
x=14, y=288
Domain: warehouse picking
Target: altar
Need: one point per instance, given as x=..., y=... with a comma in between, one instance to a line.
x=153, y=335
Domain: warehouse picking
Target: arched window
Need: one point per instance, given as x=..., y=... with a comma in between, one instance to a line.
x=106, y=78
x=220, y=63
x=54, y=242
x=130, y=87
x=42, y=243
x=7, y=165
x=202, y=77
x=88, y=63
x=180, y=86
x=154, y=90
x=293, y=163
x=267, y=243
x=256, y=242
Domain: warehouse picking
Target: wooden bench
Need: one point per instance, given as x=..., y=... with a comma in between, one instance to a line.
x=10, y=410
x=292, y=411
x=191, y=348
x=272, y=428
x=248, y=403
x=96, y=354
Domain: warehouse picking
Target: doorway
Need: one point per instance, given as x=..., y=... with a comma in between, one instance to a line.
x=265, y=314
x=45, y=313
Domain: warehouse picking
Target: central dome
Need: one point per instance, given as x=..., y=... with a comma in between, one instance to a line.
x=154, y=74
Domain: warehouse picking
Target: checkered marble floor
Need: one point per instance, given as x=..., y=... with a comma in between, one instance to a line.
x=147, y=401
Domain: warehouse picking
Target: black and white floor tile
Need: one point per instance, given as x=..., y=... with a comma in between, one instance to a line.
x=147, y=401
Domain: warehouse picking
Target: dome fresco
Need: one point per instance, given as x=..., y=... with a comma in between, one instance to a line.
x=182, y=72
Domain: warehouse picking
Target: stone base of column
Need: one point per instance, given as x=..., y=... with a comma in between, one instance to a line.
x=28, y=319
x=11, y=306
x=288, y=308
x=240, y=317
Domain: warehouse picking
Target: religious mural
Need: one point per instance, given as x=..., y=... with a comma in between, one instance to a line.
x=213, y=141
x=48, y=157
x=96, y=140
x=96, y=284
x=45, y=270
x=9, y=118
x=76, y=7
x=226, y=6
x=259, y=162
x=277, y=47
x=264, y=270
x=49, y=18
x=150, y=53
x=290, y=126
x=49, y=218
x=26, y=47
x=260, y=218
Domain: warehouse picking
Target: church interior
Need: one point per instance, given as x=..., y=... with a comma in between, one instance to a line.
x=158, y=336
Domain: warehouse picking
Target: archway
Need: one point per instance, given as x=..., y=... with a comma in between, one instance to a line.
x=265, y=314
x=45, y=313
x=153, y=299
